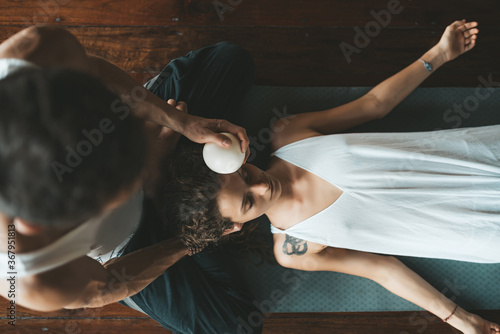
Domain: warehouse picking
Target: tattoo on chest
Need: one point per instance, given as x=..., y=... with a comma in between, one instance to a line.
x=294, y=246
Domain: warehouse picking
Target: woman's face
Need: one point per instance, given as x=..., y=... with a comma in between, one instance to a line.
x=247, y=194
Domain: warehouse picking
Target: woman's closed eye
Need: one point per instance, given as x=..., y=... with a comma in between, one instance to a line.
x=247, y=199
x=250, y=201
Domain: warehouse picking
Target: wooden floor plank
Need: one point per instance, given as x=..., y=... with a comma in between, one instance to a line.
x=110, y=311
x=291, y=56
x=274, y=323
x=304, y=13
x=84, y=326
x=113, y=318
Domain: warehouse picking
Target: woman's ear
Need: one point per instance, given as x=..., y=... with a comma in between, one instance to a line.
x=27, y=228
x=236, y=227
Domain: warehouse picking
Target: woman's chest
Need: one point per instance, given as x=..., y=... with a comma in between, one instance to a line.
x=311, y=195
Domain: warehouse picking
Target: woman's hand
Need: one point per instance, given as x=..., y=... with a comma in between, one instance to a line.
x=202, y=130
x=478, y=325
x=458, y=38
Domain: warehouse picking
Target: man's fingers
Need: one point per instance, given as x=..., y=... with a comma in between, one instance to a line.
x=238, y=131
x=171, y=102
x=244, y=141
x=223, y=140
x=247, y=154
x=182, y=106
x=241, y=133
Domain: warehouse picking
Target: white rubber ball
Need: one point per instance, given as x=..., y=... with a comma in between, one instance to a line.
x=224, y=160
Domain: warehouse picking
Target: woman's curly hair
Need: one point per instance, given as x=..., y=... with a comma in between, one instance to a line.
x=190, y=199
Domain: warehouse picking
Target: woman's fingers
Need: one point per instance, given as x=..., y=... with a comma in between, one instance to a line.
x=470, y=45
x=457, y=24
x=468, y=29
x=470, y=25
x=471, y=32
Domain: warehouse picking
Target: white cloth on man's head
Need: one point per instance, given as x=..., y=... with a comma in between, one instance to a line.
x=11, y=65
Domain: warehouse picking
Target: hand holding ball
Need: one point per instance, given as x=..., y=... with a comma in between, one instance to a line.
x=224, y=160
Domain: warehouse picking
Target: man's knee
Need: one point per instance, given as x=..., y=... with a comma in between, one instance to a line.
x=235, y=55
x=251, y=323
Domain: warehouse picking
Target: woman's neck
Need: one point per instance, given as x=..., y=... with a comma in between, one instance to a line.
x=286, y=176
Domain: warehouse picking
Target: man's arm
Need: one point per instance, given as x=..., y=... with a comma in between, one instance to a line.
x=55, y=46
x=86, y=283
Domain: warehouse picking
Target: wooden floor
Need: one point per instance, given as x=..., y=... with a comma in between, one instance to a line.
x=118, y=319
x=294, y=43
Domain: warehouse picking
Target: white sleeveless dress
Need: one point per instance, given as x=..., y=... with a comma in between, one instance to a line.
x=426, y=194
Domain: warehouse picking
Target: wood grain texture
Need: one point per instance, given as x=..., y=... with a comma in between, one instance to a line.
x=297, y=13
x=118, y=319
x=291, y=56
x=111, y=319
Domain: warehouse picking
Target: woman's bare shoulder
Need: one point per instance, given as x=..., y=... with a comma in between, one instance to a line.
x=290, y=130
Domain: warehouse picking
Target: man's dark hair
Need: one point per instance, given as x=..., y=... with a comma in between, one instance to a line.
x=67, y=146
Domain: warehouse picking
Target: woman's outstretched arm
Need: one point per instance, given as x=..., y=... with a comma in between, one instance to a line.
x=387, y=271
x=458, y=38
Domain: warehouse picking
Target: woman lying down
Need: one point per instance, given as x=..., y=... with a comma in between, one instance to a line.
x=334, y=199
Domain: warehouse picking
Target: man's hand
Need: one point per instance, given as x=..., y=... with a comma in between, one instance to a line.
x=168, y=133
x=458, y=38
x=203, y=130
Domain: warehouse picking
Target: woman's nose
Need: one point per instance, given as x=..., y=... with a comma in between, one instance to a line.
x=260, y=187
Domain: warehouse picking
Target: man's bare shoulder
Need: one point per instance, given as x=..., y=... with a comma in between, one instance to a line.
x=46, y=45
